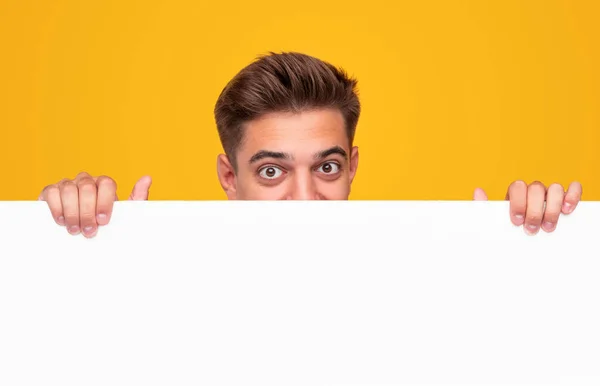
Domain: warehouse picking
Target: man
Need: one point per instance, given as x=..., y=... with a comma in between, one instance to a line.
x=287, y=125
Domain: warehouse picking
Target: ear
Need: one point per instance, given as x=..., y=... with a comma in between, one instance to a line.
x=226, y=176
x=353, y=163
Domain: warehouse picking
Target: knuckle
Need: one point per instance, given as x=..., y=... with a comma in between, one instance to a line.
x=537, y=187
x=538, y=183
x=517, y=191
x=575, y=189
x=107, y=181
x=71, y=216
x=51, y=189
x=87, y=218
x=85, y=181
x=63, y=182
x=87, y=186
x=83, y=175
x=518, y=209
x=556, y=186
x=68, y=187
x=517, y=184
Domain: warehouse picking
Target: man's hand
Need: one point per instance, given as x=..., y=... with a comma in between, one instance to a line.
x=534, y=206
x=86, y=202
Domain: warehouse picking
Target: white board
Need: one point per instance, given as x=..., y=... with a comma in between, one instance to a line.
x=205, y=293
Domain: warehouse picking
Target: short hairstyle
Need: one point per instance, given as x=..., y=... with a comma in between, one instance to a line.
x=283, y=82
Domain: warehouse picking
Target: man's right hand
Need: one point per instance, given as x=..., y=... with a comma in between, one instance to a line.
x=86, y=202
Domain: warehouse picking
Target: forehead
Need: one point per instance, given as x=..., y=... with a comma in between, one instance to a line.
x=295, y=133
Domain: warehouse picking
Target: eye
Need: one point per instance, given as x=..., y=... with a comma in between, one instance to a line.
x=329, y=168
x=270, y=172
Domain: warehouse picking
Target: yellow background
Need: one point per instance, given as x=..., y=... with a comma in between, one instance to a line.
x=456, y=94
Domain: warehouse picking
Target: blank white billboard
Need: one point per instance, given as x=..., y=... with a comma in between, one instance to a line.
x=282, y=293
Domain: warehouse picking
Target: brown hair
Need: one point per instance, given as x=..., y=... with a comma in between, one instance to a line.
x=285, y=82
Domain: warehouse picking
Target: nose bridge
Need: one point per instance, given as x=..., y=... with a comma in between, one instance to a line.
x=304, y=187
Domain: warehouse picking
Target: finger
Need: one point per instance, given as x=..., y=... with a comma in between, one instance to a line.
x=572, y=198
x=107, y=194
x=51, y=195
x=82, y=176
x=554, y=203
x=536, y=197
x=479, y=195
x=69, y=197
x=141, y=189
x=517, y=194
x=87, y=205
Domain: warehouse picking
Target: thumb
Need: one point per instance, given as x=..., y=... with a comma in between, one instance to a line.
x=479, y=195
x=141, y=189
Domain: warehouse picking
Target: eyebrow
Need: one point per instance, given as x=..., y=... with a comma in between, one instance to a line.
x=333, y=150
x=280, y=155
x=269, y=154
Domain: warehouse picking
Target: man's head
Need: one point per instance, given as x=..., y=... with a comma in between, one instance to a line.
x=287, y=124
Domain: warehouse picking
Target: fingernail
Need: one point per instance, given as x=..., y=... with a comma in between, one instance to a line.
x=74, y=229
x=548, y=226
x=567, y=207
x=61, y=220
x=531, y=229
x=519, y=219
x=101, y=217
x=88, y=230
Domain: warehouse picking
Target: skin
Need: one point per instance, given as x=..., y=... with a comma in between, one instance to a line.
x=292, y=157
x=284, y=156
